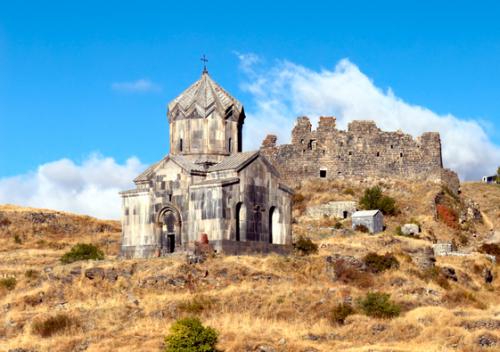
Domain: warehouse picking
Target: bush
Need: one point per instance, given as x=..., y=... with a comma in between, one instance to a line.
x=435, y=274
x=464, y=298
x=305, y=246
x=298, y=198
x=492, y=249
x=447, y=215
x=17, y=239
x=196, y=305
x=378, y=263
x=379, y=305
x=361, y=228
x=82, y=251
x=341, y=312
x=52, y=325
x=348, y=274
x=4, y=221
x=189, y=335
x=374, y=199
x=349, y=191
x=8, y=283
x=31, y=274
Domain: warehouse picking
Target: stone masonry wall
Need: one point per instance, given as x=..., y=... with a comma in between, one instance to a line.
x=362, y=151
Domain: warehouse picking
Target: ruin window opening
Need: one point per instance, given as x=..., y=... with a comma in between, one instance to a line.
x=350, y=153
x=344, y=214
x=170, y=197
x=322, y=173
x=400, y=155
x=378, y=153
x=392, y=147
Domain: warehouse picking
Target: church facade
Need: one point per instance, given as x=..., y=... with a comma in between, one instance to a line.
x=207, y=185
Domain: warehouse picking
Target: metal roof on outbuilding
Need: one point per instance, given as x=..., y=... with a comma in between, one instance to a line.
x=363, y=213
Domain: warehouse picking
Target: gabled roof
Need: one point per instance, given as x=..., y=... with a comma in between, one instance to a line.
x=362, y=213
x=204, y=96
x=178, y=159
x=235, y=161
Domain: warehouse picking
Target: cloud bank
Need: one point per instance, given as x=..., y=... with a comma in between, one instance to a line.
x=287, y=90
x=139, y=86
x=89, y=188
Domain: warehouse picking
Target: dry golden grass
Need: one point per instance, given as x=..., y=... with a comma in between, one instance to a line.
x=283, y=302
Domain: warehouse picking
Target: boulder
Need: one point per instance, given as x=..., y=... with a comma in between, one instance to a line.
x=410, y=229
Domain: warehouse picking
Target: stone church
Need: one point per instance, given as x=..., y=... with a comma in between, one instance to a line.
x=207, y=185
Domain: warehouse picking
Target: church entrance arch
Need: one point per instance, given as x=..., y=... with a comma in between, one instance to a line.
x=169, y=221
x=274, y=225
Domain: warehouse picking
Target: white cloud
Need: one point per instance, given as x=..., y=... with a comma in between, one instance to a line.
x=89, y=188
x=139, y=86
x=287, y=90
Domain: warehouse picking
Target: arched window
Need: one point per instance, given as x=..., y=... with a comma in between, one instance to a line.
x=240, y=218
x=274, y=226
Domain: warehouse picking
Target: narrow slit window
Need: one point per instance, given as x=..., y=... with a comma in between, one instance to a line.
x=180, y=145
x=229, y=145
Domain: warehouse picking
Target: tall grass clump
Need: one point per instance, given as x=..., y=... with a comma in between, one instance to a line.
x=9, y=283
x=52, y=325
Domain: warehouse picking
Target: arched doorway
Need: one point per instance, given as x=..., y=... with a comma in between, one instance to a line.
x=274, y=225
x=241, y=221
x=170, y=225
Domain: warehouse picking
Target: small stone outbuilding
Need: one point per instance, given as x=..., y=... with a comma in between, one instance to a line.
x=339, y=209
x=373, y=220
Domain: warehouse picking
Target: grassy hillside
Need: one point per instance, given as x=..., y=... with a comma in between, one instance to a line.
x=257, y=303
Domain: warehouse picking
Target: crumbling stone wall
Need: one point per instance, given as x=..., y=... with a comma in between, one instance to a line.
x=362, y=151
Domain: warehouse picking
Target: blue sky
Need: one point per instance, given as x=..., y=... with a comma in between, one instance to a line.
x=78, y=78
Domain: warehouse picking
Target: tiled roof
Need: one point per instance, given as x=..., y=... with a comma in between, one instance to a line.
x=235, y=161
x=204, y=96
x=178, y=159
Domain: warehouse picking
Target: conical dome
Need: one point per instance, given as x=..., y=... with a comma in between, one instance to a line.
x=202, y=98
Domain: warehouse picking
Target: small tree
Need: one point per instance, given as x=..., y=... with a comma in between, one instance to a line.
x=374, y=199
x=379, y=305
x=82, y=251
x=189, y=335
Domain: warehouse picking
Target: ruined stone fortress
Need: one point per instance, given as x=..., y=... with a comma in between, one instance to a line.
x=361, y=151
x=208, y=187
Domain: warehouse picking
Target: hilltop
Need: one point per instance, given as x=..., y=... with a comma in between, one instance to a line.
x=263, y=303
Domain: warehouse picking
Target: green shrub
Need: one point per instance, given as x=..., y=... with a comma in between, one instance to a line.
x=17, y=239
x=338, y=225
x=374, y=199
x=305, y=246
x=340, y=312
x=52, y=325
x=189, y=335
x=8, y=283
x=378, y=263
x=379, y=305
x=82, y=251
